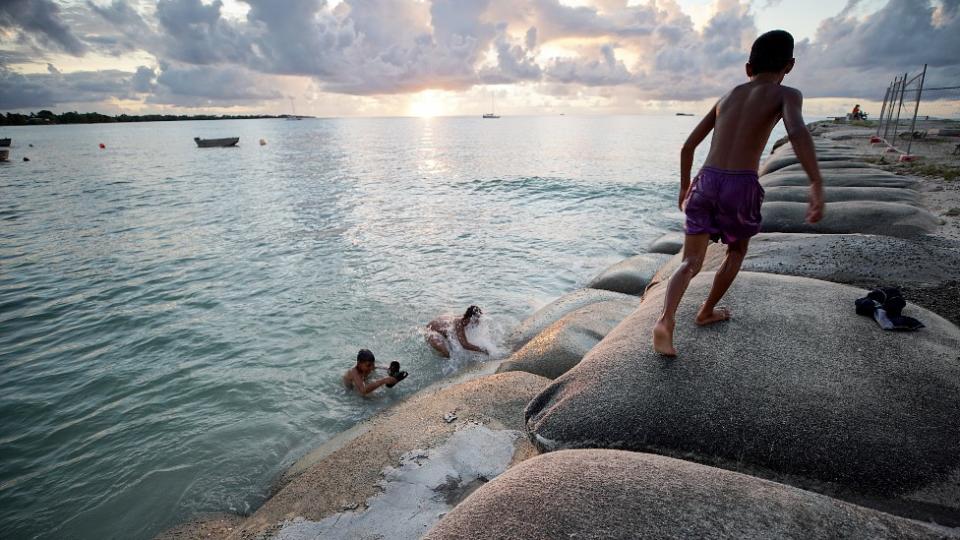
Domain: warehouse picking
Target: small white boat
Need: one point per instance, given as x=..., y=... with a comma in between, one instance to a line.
x=293, y=111
x=492, y=113
x=213, y=143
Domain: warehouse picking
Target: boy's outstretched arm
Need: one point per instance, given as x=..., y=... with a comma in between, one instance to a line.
x=803, y=146
x=696, y=137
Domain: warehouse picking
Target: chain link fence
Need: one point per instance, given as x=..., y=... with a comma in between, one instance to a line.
x=916, y=106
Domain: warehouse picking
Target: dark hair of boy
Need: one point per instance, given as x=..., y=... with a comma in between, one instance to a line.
x=365, y=356
x=771, y=52
x=471, y=312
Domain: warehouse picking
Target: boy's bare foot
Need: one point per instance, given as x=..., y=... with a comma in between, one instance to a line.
x=717, y=314
x=663, y=338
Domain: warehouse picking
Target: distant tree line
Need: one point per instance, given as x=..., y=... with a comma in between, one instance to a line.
x=48, y=117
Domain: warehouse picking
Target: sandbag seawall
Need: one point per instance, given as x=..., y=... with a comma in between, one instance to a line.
x=831, y=398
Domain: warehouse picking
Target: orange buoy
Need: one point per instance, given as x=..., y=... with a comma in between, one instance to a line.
x=102, y=146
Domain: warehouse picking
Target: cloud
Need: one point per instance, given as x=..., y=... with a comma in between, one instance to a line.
x=606, y=70
x=199, y=86
x=37, y=90
x=856, y=57
x=39, y=23
x=144, y=80
x=196, y=33
x=647, y=51
x=116, y=28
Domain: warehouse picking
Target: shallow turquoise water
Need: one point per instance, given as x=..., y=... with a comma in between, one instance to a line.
x=174, y=321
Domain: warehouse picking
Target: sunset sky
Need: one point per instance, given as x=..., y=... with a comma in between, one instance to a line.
x=451, y=57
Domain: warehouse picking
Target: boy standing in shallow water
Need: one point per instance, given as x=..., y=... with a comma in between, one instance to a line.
x=723, y=202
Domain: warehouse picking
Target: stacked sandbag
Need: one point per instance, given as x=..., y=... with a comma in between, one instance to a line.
x=845, y=217
x=795, y=386
x=631, y=275
x=562, y=345
x=601, y=494
x=832, y=194
x=669, y=244
x=840, y=177
x=555, y=310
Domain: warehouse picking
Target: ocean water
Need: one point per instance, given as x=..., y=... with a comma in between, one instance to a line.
x=174, y=321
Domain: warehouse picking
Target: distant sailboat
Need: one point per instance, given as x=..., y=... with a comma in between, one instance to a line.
x=293, y=109
x=492, y=113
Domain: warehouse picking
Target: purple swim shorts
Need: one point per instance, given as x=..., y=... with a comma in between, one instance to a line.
x=724, y=204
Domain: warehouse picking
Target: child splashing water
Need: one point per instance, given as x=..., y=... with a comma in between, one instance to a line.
x=446, y=331
x=723, y=202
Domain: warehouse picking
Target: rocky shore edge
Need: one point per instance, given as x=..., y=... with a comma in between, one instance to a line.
x=797, y=419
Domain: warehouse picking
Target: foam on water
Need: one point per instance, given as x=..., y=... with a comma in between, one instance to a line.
x=414, y=494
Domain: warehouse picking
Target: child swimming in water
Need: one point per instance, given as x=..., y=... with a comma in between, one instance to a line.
x=723, y=201
x=356, y=377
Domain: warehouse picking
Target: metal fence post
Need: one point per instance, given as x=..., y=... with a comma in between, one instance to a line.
x=893, y=93
x=883, y=109
x=896, y=126
x=916, y=108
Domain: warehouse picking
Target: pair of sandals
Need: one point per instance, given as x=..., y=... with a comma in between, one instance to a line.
x=395, y=372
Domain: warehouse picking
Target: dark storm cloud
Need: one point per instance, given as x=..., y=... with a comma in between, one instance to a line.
x=859, y=57
x=195, y=33
x=119, y=13
x=206, y=85
x=14, y=57
x=35, y=90
x=39, y=22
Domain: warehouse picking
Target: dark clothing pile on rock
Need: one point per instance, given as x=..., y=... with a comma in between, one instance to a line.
x=885, y=305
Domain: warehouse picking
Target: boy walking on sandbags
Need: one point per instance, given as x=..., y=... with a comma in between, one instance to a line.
x=723, y=201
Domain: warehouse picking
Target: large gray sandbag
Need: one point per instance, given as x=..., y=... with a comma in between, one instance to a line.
x=587, y=494
x=795, y=384
x=797, y=168
x=841, y=178
x=865, y=217
x=840, y=194
x=555, y=310
x=562, y=344
x=855, y=259
x=777, y=161
x=630, y=276
x=347, y=471
x=819, y=145
x=668, y=244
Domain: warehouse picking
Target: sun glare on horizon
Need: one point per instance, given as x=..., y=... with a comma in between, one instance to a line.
x=426, y=104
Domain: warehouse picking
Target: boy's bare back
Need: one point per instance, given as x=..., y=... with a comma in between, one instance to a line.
x=744, y=119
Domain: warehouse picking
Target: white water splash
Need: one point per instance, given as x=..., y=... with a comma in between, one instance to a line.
x=413, y=497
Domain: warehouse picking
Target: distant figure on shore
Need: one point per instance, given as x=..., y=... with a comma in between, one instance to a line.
x=356, y=377
x=856, y=113
x=723, y=202
x=440, y=330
